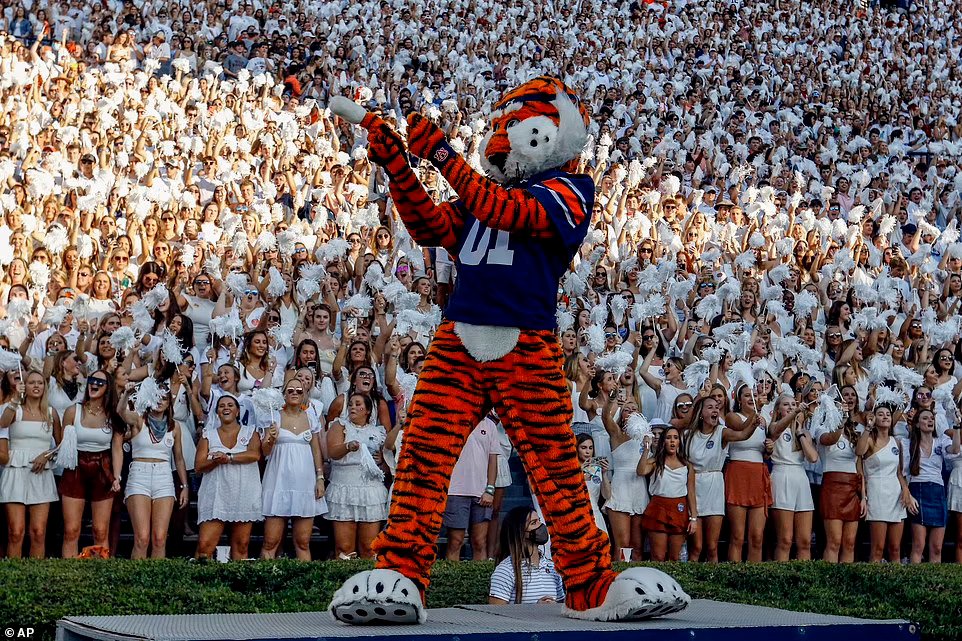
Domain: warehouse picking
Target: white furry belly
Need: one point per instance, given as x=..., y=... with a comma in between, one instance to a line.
x=487, y=342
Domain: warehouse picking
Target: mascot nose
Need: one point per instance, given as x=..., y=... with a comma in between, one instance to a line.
x=497, y=149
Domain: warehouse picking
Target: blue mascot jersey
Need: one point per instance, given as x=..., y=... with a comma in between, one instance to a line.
x=511, y=279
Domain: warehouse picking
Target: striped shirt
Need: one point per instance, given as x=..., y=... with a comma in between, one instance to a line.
x=536, y=583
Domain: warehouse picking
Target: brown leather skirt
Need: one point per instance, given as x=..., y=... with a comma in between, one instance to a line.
x=841, y=497
x=91, y=479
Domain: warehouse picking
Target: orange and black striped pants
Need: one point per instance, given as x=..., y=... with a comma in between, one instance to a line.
x=527, y=388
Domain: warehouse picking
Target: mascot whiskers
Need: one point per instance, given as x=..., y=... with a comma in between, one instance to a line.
x=512, y=235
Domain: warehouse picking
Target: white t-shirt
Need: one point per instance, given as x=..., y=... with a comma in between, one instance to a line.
x=470, y=475
x=930, y=467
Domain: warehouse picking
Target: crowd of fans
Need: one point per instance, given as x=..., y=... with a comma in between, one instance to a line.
x=206, y=293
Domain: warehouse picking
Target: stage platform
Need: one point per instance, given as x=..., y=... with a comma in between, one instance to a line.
x=702, y=621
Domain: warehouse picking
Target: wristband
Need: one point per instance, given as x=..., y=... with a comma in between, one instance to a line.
x=441, y=154
x=489, y=489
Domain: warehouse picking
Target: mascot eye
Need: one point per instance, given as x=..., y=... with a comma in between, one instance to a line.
x=512, y=123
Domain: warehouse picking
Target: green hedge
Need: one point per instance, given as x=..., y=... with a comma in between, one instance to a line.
x=37, y=593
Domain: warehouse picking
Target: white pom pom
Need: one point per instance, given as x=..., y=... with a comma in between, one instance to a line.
x=155, y=297
x=123, y=339
x=228, y=325
x=596, y=338
x=237, y=283
x=54, y=316
x=637, y=427
x=276, y=286
x=148, y=396
x=9, y=361
x=616, y=362
x=171, y=349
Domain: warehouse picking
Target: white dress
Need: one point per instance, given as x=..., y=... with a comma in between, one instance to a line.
x=883, y=492
x=593, y=479
x=629, y=492
x=18, y=483
x=353, y=494
x=288, y=485
x=230, y=493
x=707, y=456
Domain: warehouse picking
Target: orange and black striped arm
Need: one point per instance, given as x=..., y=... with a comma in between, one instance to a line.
x=429, y=224
x=512, y=210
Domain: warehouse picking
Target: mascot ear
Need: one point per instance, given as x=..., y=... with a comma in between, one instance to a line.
x=347, y=109
x=572, y=131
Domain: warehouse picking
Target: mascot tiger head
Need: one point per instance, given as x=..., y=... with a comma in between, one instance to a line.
x=536, y=126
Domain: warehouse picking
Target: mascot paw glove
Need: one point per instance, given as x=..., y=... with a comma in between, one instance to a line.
x=384, y=144
x=426, y=140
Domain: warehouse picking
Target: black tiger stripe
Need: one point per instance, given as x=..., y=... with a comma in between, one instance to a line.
x=529, y=391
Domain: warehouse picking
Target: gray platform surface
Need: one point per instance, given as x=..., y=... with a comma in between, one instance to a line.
x=703, y=620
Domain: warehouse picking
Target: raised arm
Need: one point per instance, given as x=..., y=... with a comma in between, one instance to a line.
x=429, y=224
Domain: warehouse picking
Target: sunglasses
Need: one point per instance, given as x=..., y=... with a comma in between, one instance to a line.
x=96, y=382
x=294, y=390
x=365, y=375
x=201, y=283
x=610, y=334
x=252, y=292
x=684, y=405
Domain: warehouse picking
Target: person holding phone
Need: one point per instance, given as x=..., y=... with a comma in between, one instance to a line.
x=524, y=574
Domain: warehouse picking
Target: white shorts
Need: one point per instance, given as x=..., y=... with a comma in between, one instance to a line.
x=790, y=489
x=150, y=479
x=443, y=272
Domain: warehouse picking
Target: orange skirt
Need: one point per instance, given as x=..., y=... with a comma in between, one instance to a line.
x=841, y=497
x=668, y=515
x=748, y=484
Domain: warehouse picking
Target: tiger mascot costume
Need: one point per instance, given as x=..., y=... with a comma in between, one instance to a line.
x=512, y=236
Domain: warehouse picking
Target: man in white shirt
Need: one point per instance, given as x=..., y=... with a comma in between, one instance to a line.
x=471, y=492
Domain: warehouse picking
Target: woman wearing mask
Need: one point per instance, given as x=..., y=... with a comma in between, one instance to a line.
x=524, y=575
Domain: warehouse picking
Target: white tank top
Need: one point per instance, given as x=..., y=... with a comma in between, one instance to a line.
x=785, y=452
x=749, y=450
x=839, y=457
x=705, y=451
x=670, y=483
x=91, y=439
x=143, y=446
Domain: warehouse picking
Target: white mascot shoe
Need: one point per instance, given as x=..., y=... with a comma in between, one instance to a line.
x=378, y=597
x=637, y=593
